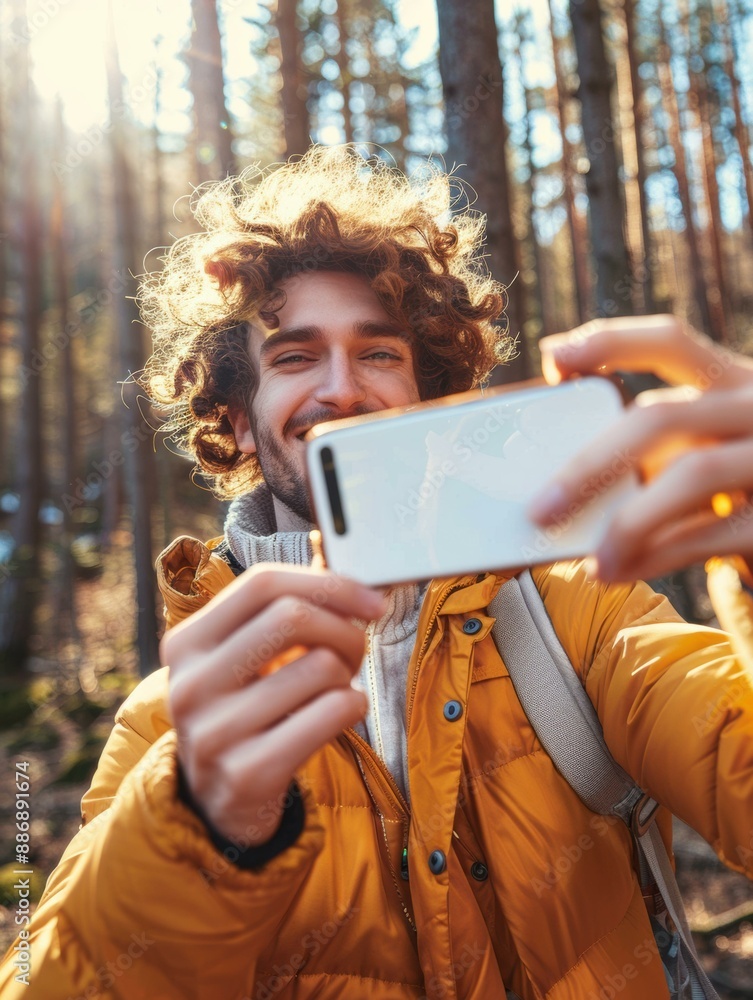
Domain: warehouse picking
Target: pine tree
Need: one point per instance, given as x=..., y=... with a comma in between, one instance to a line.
x=473, y=88
x=135, y=444
x=606, y=209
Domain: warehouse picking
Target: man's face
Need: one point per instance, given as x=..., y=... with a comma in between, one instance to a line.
x=336, y=354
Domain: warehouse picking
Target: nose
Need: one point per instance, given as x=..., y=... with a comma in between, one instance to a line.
x=341, y=386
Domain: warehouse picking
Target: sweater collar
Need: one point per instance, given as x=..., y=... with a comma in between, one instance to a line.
x=252, y=536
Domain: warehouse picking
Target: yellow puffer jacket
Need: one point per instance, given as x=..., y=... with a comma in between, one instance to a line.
x=537, y=894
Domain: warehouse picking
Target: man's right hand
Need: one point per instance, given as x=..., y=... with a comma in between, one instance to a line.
x=244, y=726
x=690, y=443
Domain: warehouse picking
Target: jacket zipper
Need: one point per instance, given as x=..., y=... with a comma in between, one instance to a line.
x=374, y=692
x=360, y=746
x=404, y=853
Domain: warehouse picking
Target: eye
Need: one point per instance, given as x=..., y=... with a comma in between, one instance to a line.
x=385, y=354
x=291, y=358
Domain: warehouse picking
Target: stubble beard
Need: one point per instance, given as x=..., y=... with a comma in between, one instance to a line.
x=285, y=480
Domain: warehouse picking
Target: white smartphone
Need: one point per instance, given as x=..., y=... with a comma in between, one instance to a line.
x=441, y=488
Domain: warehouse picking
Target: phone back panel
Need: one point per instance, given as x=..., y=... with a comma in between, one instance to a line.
x=443, y=491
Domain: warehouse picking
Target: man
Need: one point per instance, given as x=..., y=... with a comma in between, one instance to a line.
x=259, y=825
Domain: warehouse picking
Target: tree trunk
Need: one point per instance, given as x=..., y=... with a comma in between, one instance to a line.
x=578, y=243
x=341, y=21
x=22, y=586
x=699, y=104
x=4, y=456
x=539, y=271
x=699, y=107
x=742, y=136
x=214, y=136
x=639, y=123
x=669, y=100
x=294, y=95
x=164, y=490
x=61, y=254
x=473, y=87
x=136, y=438
x=605, y=202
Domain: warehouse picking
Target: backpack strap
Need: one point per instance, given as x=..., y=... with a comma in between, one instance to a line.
x=569, y=730
x=557, y=705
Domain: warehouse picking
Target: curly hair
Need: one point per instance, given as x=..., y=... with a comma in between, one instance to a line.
x=330, y=210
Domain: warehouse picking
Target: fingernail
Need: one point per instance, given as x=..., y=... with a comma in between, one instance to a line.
x=550, y=501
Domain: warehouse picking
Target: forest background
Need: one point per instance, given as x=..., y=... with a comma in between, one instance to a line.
x=608, y=143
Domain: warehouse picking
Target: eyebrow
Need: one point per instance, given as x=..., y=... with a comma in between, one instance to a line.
x=366, y=329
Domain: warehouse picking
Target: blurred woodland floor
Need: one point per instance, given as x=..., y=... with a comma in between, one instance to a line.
x=58, y=718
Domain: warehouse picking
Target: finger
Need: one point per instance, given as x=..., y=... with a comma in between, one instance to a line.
x=287, y=623
x=257, y=588
x=236, y=717
x=659, y=344
x=687, y=485
x=696, y=539
x=273, y=756
x=644, y=437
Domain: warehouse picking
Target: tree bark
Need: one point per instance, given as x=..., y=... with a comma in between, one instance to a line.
x=699, y=105
x=4, y=456
x=606, y=213
x=136, y=436
x=294, y=95
x=473, y=89
x=669, y=99
x=639, y=126
x=21, y=586
x=61, y=253
x=578, y=243
x=539, y=276
x=214, y=136
x=742, y=136
x=164, y=490
x=341, y=20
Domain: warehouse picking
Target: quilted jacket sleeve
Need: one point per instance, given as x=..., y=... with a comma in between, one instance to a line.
x=675, y=701
x=142, y=904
